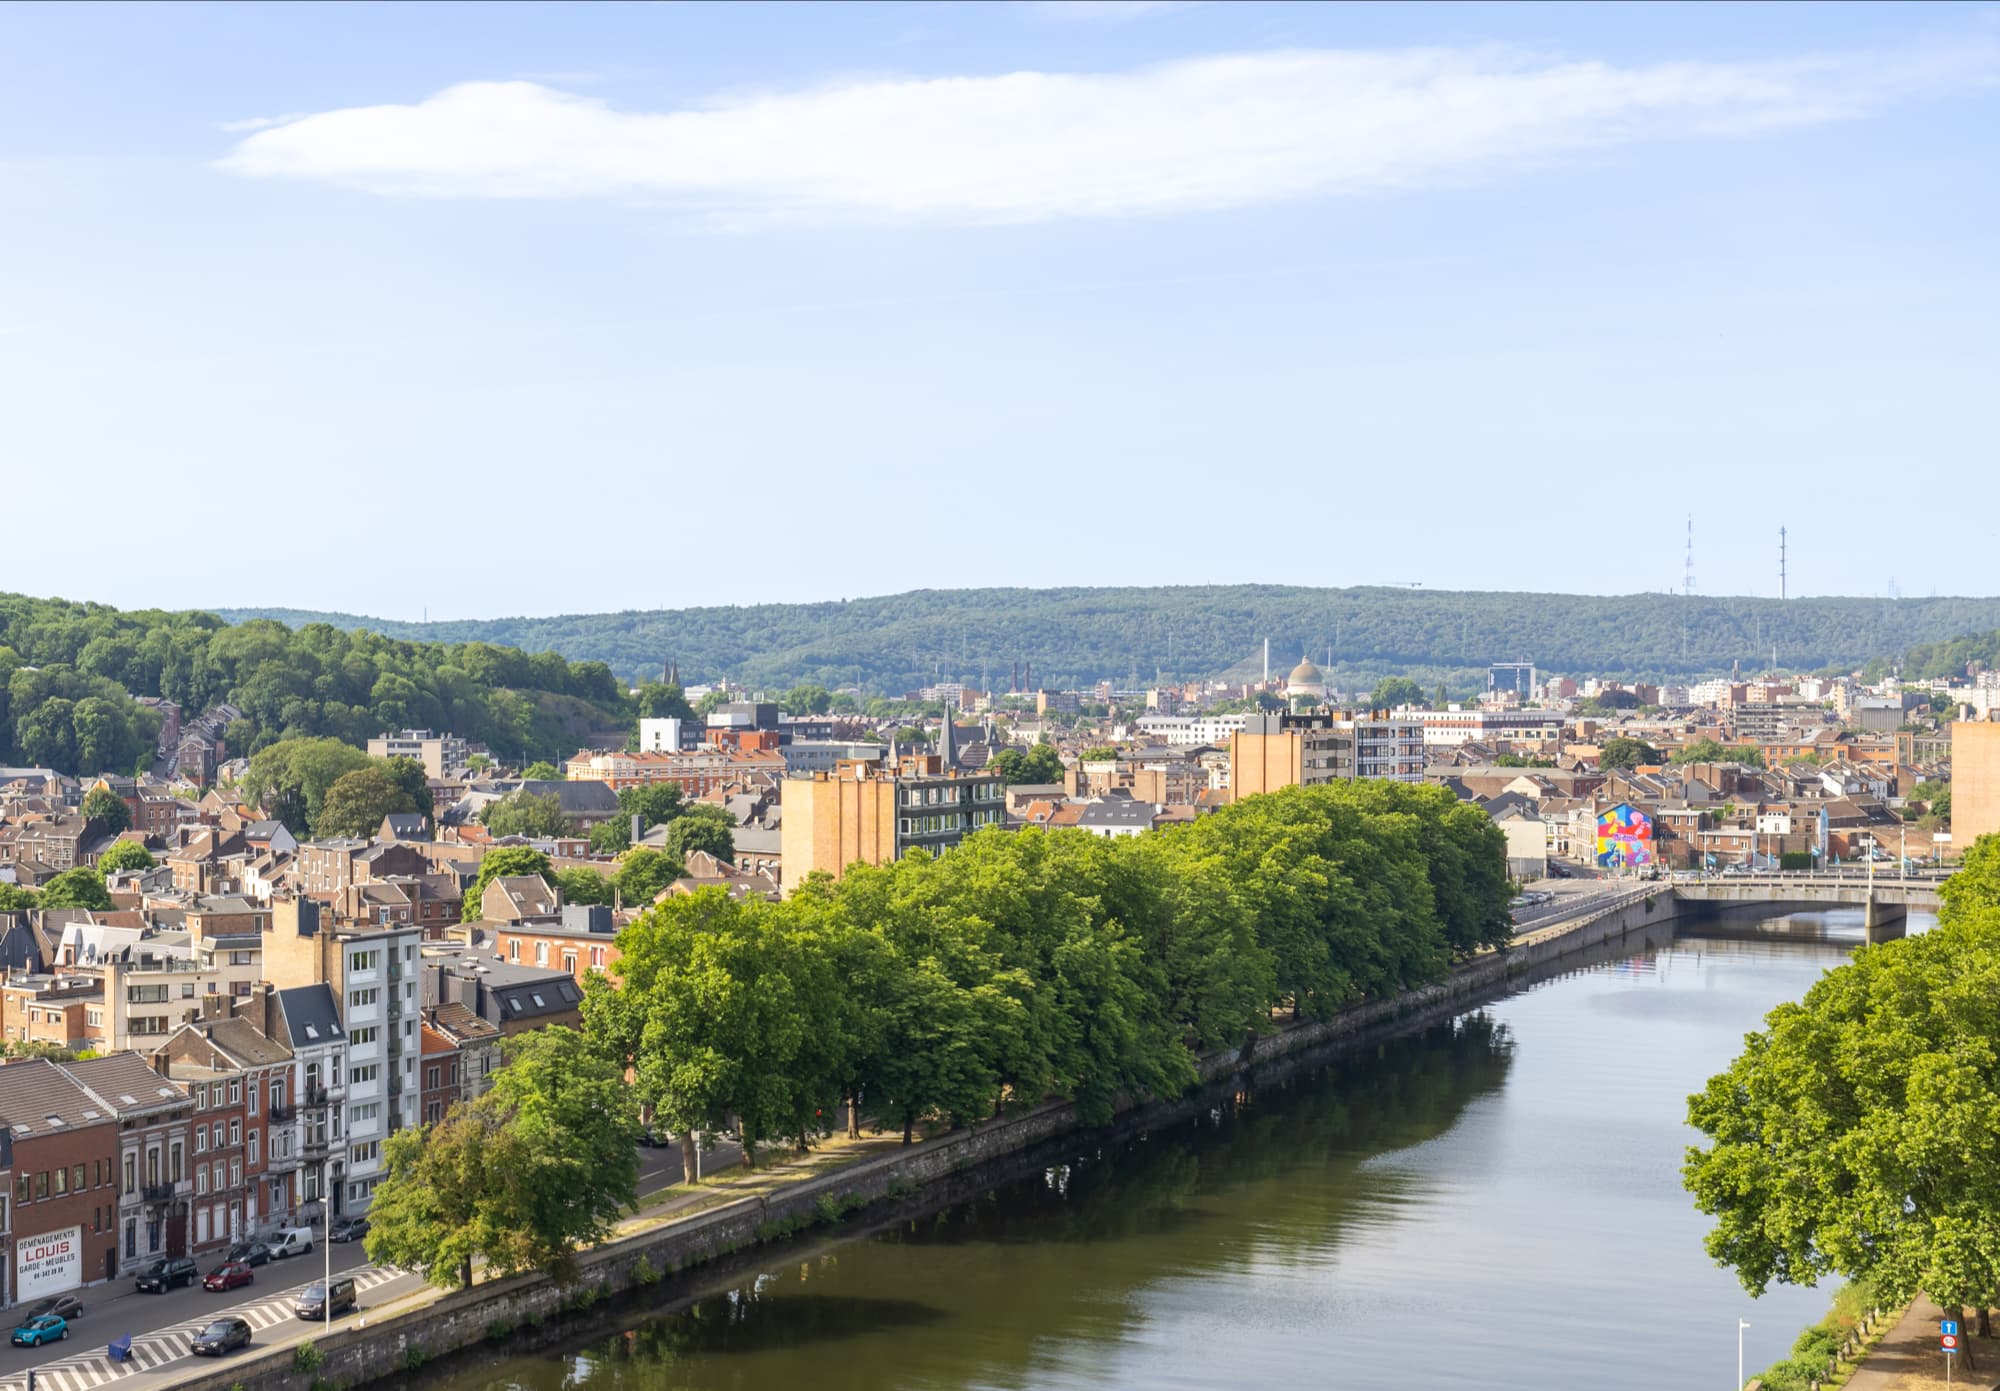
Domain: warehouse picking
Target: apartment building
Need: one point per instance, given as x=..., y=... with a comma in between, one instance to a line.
x=241, y=1083
x=372, y=972
x=162, y=982
x=155, y=1138
x=443, y=755
x=862, y=811
x=1314, y=747
x=61, y=1209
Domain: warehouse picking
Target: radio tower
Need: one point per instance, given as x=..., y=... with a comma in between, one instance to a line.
x=1687, y=571
x=1781, y=563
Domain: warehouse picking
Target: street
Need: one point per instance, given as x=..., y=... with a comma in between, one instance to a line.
x=160, y=1324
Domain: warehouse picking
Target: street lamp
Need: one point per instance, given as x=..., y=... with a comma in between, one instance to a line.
x=1741, y=1324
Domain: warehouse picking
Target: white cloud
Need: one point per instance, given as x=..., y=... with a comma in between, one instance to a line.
x=1206, y=133
x=249, y=123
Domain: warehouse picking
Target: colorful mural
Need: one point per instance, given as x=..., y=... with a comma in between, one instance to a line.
x=1624, y=837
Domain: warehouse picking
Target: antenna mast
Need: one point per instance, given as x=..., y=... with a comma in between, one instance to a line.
x=1781, y=563
x=1687, y=570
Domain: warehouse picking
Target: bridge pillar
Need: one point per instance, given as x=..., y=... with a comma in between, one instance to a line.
x=1885, y=921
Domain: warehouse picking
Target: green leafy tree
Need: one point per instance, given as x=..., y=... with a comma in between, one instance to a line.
x=643, y=873
x=290, y=779
x=659, y=701
x=126, y=854
x=507, y=862
x=703, y=827
x=584, y=886
x=1857, y=1133
x=611, y=837
x=1935, y=794
x=525, y=813
x=478, y=763
x=1708, y=751
x=356, y=802
x=807, y=700
x=1622, y=752
x=1393, y=691
x=541, y=772
x=522, y=1178
x=15, y=899
x=1036, y=765
x=107, y=809
x=81, y=887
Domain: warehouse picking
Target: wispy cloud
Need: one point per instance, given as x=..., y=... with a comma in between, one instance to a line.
x=1208, y=133
x=250, y=123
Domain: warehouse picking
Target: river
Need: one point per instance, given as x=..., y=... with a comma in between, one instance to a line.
x=1491, y=1203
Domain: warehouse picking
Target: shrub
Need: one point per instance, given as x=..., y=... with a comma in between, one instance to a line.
x=307, y=1357
x=643, y=1273
x=498, y=1329
x=414, y=1357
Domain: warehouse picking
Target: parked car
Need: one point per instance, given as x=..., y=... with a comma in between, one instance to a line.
x=248, y=1252
x=311, y=1302
x=349, y=1229
x=228, y=1276
x=223, y=1335
x=293, y=1241
x=64, y=1306
x=42, y=1328
x=161, y=1276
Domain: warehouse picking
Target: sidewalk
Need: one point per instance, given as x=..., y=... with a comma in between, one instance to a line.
x=1908, y=1357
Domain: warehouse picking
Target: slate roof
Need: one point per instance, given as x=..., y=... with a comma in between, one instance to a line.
x=312, y=1016
x=126, y=1083
x=37, y=1097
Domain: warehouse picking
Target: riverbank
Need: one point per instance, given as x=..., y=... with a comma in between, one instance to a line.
x=682, y=1250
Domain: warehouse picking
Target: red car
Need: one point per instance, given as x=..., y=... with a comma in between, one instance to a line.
x=228, y=1276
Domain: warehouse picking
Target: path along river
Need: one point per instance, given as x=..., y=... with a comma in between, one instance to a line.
x=1491, y=1203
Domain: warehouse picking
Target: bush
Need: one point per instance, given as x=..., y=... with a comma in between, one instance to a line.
x=1816, y=1343
x=307, y=1357
x=643, y=1273
x=414, y=1357
x=498, y=1330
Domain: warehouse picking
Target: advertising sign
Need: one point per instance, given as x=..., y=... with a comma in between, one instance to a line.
x=48, y=1264
x=1624, y=837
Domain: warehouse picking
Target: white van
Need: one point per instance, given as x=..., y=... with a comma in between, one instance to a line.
x=292, y=1241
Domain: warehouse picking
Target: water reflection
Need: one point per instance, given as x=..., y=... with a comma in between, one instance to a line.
x=1494, y=1201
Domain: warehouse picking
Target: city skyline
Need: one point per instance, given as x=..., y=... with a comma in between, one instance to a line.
x=1491, y=298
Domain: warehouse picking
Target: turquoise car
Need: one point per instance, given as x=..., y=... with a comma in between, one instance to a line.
x=43, y=1328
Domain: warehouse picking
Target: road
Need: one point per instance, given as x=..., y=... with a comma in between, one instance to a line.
x=161, y=1324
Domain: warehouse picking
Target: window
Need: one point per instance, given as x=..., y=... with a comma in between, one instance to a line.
x=187, y=990
x=513, y=948
x=177, y=1161
x=216, y=1134
x=201, y=1139
x=362, y=1035
x=131, y=1180
x=235, y=1173
x=366, y=1073
x=250, y=1099
x=21, y=1189
x=253, y=1146
x=236, y=1091
x=360, y=998
x=41, y=1185
x=541, y=953
x=364, y=1153
x=236, y=1132
x=364, y=960
x=430, y=1077
x=201, y=1179
x=62, y=1182
x=201, y=1096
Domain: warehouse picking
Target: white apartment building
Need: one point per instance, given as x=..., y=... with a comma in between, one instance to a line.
x=1191, y=731
x=1455, y=725
x=157, y=983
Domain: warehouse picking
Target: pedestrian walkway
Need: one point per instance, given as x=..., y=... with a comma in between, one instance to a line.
x=152, y=1351
x=1909, y=1359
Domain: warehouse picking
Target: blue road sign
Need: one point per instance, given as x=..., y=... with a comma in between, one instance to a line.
x=1947, y=1325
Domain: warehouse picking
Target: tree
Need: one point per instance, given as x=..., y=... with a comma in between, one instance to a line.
x=658, y=701
x=81, y=887
x=107, y=809
x=1622, y=752
x=1036, y=765
x=611, y=837
x=15, y=899
x=126, y=854
x=541, y=772
x=1935, y=794
x=642, y=873
x=508, y=861
x=540, y=1166
x=807, y=700
x=357, y=801
x=525, y=813
x=1099, y=753
x=702, y=827
x=290, y=779
x=1857, y=1133
x=1394, y=691
x=1708, y=751
x=478, y=763
x=581, y=885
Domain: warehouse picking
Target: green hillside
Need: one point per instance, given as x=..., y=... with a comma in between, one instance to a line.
x=1071, y=636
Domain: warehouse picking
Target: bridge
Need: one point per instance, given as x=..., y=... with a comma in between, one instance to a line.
x=1886, y=898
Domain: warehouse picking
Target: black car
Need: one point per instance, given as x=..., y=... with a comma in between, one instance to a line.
x=249, y=1253
x=223, y=1335
x=348, y=1229
x=66, y=1307
x=161, y=1276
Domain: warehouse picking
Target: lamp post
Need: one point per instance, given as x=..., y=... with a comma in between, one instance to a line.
x=1741, y=1324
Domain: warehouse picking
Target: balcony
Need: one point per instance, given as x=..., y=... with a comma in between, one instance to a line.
x=317, y=1097
x=157, y=1193
x=282, y=1112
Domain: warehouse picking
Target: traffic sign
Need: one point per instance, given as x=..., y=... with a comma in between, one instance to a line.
x=1948, y=1326
x=1950, y=1341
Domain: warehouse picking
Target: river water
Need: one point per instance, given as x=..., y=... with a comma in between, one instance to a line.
x=1491, y=1203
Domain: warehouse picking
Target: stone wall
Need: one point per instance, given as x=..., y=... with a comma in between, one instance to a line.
x=382, y=1349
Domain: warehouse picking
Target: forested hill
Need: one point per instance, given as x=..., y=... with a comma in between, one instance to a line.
x=69, y=673
x=1074, y=635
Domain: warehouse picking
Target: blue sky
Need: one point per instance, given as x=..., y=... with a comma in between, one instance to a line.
x=518, y=309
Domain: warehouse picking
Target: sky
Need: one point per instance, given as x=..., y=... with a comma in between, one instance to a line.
x=469, y=311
